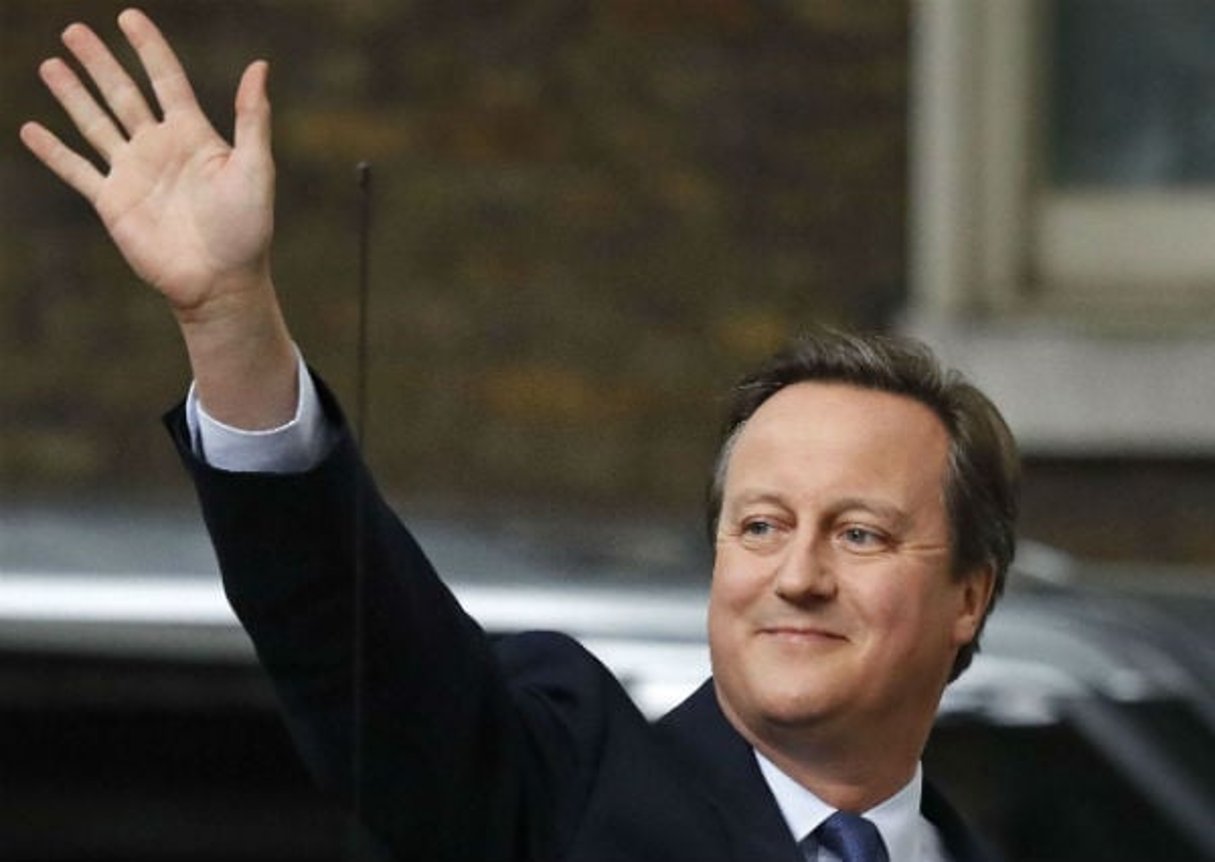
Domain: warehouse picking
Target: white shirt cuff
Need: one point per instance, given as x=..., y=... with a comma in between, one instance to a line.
x=294, y=447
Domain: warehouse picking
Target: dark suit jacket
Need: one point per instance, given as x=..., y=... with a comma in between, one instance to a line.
x=469, y=748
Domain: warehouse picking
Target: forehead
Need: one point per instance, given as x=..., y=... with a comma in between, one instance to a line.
x=833, y=431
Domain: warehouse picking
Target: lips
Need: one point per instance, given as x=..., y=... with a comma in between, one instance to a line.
x=801, y=633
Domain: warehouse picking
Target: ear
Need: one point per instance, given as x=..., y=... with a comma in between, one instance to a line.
x=975, y=590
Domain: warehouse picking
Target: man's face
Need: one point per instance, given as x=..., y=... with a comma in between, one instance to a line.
x=833, y=603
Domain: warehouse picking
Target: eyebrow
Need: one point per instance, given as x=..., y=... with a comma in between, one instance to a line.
x=755, y=495
x=897, y=516
x=890, y=512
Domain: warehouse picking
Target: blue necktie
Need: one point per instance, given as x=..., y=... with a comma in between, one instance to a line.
x=852, y=838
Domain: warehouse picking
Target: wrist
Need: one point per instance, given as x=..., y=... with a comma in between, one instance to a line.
x=226, y=301
x=243, y=358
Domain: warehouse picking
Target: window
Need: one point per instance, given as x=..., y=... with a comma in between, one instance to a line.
x=1065, y=156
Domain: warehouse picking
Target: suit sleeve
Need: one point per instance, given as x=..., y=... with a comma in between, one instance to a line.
x=452, y=761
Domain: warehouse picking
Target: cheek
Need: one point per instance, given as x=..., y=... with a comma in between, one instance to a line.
x=891, y=605
x=723, y=635
x=917, y=621
x=735, y=584
x=722, y=606
x=730, y=594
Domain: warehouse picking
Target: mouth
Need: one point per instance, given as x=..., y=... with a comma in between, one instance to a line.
x=801, y=634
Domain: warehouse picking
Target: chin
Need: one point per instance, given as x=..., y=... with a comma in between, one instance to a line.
x=790, y=709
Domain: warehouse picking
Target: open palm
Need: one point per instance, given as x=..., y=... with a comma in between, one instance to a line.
x=191, y=214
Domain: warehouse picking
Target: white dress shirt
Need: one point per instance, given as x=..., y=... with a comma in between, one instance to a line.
x=294, y=447
x=908, y=836
x=302, y=443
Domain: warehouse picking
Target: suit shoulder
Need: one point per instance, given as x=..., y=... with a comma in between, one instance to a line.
x=554, y=665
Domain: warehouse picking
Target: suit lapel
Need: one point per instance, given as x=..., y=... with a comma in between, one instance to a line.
x=712, y=750
x=700, y=736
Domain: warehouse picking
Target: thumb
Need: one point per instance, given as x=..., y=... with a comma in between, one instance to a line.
x=252, y=133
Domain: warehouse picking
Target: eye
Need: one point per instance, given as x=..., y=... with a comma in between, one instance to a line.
x=864, y=539
x=758, y=528
x=760, y=533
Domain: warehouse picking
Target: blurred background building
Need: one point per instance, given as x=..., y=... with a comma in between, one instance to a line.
x=591, y=217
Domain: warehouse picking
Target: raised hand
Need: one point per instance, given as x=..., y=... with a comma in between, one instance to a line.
x=192, y=214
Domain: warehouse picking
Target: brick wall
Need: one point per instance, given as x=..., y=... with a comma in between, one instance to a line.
x=590, y=218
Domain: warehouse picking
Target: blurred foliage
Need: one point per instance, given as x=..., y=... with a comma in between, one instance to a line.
x=590, y=218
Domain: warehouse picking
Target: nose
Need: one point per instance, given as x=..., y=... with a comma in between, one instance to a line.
x=805, y=574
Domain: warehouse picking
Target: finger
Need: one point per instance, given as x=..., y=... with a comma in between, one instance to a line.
x=165, y=71
x=252, y=133
x=120, y=92
x=94, y=124
x=75, y=170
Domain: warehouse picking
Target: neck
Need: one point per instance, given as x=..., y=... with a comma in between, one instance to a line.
x=847, y=768
x=843, y=782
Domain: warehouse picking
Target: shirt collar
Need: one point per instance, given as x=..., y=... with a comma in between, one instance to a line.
x=898, y=819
